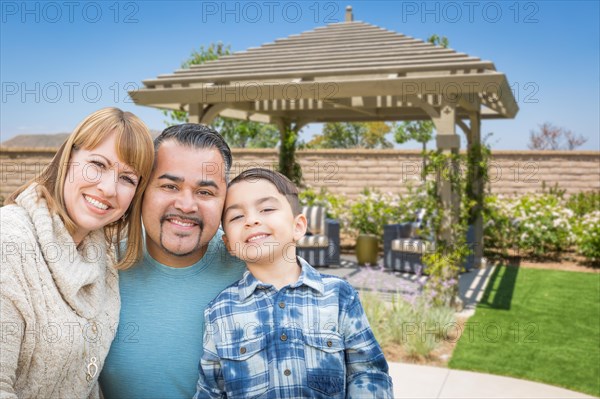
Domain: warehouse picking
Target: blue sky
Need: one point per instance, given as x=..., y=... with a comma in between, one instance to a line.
x=60, y=61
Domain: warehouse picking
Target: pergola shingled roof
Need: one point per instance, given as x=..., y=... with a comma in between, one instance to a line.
x=348, y=71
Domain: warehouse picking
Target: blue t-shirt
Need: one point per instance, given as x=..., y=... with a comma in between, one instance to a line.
x=158, y=344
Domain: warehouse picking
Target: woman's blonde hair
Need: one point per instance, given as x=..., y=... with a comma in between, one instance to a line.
x=133, y=146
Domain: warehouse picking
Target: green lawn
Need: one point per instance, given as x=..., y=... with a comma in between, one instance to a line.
x=540, y=325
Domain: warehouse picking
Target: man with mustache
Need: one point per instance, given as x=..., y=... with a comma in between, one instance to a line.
x=159, y=338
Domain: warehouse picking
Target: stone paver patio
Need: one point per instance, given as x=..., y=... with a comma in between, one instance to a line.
x=471, y=284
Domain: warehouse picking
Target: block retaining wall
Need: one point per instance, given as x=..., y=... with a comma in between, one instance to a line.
x=349, y=171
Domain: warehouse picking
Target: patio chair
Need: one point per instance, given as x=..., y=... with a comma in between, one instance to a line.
x=321, y=245
x=403, y=248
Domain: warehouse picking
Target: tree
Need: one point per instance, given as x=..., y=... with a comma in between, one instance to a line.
x=439, y=41
x=375, y=135
x=352, y=135
x=420, y=131
x=212, y=52
x=247, y=134
x=237, y=133
x=550, y=137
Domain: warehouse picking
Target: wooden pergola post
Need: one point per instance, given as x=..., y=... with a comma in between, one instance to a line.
x=194, y=113
x=475, y=178
x=447, y=141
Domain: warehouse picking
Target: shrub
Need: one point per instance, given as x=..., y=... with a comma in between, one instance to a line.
x=499, y=227
x=411, y=323
x=544, y=226
x=367, y=213
x=539, y=224
x=372, y=210
x=419, y=326
x=378, y=314
x=584, y=203
x=412, y=319
x=588, y=236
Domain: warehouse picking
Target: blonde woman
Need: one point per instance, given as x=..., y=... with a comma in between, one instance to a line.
x=58, y=281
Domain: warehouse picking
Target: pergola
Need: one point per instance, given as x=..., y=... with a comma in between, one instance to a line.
x=348, y=71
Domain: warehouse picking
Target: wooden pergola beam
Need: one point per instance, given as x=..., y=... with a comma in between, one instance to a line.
x=461, y=85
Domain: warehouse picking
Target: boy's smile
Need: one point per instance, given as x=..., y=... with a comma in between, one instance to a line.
x=257, y=237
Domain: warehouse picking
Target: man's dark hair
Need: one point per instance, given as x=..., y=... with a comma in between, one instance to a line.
x=197, y=136
x=283, y=184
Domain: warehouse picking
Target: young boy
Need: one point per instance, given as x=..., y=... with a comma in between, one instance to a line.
x=284, y=330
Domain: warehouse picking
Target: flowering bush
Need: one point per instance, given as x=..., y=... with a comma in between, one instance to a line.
x=584, y=202
x=442, y=284
x=500, y=226
x=367, y=213
x=586, y=207
x=588, y=236
x=538, y=224
x=372, y=210
x=544, y=224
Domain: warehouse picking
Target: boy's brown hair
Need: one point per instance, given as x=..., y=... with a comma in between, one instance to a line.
x=282, y=183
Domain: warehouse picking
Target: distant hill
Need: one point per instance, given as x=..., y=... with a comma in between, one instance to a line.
x=44, y=140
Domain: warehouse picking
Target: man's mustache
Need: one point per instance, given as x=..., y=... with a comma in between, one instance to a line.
x=183, y=218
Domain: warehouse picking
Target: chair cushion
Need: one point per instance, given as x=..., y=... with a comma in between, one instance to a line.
x=315, y=216
x=406, y=230
x=314, y=241
x=412, y=245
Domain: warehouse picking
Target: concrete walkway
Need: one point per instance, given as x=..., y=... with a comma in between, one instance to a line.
x=414, y=381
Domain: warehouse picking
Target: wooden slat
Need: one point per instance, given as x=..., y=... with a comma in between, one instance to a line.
x=283, y=68
x=284, y=58
x=334, y=44
x=321, y=73
x=345, y=61
x=401, y=61
x=339, y=38
x=337, y=27
x=340, y=50
x=383, y=51
x=311, y=34
x=343, y=25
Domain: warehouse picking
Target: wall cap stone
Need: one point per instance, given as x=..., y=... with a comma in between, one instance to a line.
x=353, y=151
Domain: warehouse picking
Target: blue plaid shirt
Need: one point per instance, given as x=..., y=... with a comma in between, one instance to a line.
x=310, y=339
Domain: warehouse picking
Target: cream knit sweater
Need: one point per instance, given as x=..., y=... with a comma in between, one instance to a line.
x=59, y=304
